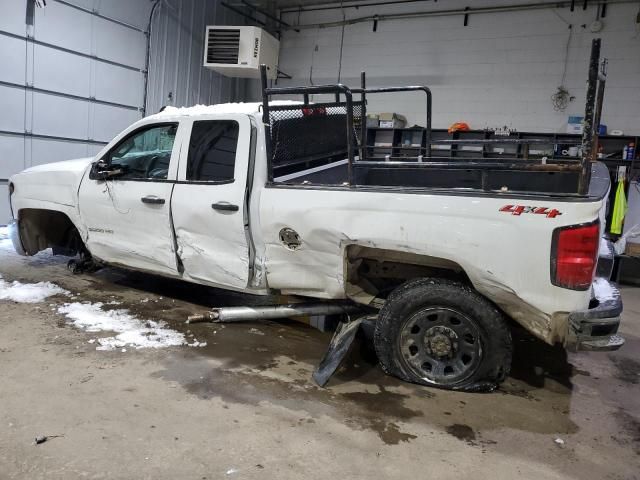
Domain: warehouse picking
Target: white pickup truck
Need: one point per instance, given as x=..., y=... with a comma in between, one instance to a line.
x=270, y=198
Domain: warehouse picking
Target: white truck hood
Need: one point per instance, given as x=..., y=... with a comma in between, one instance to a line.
x=52, y=182
x=78, y=165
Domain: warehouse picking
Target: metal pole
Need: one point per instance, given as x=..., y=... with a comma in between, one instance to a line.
x=602, y=80
x=428, y=133
x=266, y=121
x=363, y=118
x=587, y=133
x=347, y=95
x=147, y=59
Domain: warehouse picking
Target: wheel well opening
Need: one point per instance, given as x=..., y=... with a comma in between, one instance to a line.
x=42, y=229
x=372, y=273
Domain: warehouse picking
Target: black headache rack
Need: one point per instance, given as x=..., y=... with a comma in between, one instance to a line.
x=326, y=144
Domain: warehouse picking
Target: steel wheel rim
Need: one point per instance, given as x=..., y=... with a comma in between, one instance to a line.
x=440, y=345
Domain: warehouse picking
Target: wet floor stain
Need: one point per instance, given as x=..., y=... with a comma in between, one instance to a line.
x=279, y=383
x=630, y=430
x=385, y=402
x=462, y=432
x=391, y=434
x=471, y=437
x=374, y=411
x=627, y=369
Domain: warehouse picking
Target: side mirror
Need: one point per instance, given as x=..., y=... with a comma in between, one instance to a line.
x=104, y=171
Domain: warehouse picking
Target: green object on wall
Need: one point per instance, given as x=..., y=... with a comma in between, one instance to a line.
x=619, y=209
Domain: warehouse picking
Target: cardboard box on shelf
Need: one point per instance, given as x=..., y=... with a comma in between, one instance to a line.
x=373, y=120
x=574, y=125
x=632, y=249
x=392, y=120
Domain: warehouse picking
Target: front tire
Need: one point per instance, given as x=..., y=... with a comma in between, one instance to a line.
x=442, y=333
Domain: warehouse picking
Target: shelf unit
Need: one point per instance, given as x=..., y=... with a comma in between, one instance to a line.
x=394, y=143
x=612, y=149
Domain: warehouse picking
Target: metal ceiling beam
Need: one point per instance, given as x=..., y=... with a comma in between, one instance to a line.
x=266, y=14
x=450, y=12
x=243, y=14
x=334, y=6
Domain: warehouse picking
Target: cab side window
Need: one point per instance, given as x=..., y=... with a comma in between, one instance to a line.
x=212, y=151
x=145, y=154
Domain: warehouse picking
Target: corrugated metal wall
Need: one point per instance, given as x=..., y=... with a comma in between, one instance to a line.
x=176, y=73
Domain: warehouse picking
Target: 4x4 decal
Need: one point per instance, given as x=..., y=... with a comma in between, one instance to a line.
x=520, y=209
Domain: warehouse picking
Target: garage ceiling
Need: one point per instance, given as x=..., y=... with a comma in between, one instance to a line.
x=294, y=4
x=304, y=3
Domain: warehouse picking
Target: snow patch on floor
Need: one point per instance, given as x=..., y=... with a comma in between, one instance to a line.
x=28, y=292
x=130, y=330
x=5, y=241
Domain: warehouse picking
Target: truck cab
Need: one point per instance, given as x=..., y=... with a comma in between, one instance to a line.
x=181, y=190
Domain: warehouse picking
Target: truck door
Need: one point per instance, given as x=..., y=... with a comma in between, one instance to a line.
x=208, y=203
x=128, y=217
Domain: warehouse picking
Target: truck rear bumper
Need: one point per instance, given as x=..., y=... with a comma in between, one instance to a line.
x=597, y=327
x=14, y=235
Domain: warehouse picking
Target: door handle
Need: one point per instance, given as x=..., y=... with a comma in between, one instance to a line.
x=152, y=200
x=225, y=207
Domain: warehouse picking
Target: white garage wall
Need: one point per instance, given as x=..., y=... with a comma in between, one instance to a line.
x=69, y=81
x=500, y=69
x=78, y=79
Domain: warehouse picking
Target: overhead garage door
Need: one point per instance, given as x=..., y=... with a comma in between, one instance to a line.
x=71, y=78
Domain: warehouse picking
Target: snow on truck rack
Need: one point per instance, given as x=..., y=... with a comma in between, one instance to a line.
x=326, y=144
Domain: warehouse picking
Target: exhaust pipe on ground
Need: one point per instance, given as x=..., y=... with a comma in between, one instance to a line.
x=268, y=312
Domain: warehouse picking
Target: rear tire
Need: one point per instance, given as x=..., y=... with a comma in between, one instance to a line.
x=442, y=333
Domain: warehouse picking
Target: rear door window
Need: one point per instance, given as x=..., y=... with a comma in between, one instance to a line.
x=212, y=151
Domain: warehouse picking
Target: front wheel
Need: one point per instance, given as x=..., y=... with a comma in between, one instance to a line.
x=442, y=333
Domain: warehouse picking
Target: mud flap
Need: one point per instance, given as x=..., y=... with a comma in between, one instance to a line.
x=338, y=349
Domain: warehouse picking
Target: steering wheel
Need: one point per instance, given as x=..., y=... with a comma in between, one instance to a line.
x=151, y=165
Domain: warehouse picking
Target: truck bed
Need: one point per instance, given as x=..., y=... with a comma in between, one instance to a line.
x=431, y=175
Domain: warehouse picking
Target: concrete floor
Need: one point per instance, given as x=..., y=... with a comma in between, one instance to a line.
x=245, y=407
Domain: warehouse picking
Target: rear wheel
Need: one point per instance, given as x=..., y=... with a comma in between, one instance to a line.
x=442, y=333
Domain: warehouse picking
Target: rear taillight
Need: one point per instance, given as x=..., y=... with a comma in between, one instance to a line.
x=574, y=253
